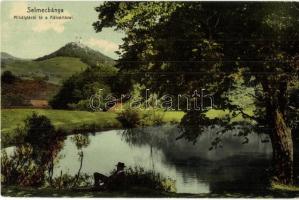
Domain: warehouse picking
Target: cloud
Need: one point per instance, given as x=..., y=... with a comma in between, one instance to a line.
x=104, y=45
x=56, y=25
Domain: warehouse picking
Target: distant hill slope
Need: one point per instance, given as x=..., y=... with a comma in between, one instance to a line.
x=78, y=50
x=57, y=66
x=5, y=56
x=20, y=92
x=53, y=70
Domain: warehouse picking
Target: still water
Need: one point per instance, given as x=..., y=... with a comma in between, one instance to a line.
x=194, y=167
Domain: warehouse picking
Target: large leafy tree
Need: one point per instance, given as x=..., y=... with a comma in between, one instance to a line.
x=77, y=90
x=174, y=47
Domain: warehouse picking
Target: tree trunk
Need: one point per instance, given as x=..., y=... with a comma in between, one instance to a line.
x=281, y=138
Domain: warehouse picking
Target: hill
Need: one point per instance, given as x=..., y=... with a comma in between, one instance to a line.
x=57, y=66
x=53, y=70
x=78, y=50
x=6, y=56
x=20, y=93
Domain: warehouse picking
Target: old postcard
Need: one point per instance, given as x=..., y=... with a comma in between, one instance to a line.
x=150, y=99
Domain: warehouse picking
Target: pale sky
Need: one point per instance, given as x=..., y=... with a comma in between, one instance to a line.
x=34, y=38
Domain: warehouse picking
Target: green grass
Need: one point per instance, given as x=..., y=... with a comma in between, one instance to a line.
x=67, y=119
x=282, y=187
x=173, y=116
x=58, y=68
x=76, y=121
x=71, y=121
x=222, y=113
x=11, y=118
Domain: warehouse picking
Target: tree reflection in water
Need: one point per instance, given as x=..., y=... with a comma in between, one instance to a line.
x=233, y=163
x=81, y=141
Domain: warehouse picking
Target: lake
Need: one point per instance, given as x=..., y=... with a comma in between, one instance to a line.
x=195, y=168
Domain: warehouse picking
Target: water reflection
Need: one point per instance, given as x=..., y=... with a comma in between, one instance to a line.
x=81, y=141
x=194, y=167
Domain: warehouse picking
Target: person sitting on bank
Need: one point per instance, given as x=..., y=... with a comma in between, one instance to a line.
x=116, y=180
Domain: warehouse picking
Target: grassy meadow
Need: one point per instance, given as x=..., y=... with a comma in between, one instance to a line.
x=68, y=120
x=57, y=69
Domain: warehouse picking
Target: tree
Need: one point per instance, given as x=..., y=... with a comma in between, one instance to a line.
x=81, y=141
x=206, y=44
x=28, y=163
x=8, y=77
x=78, y=89
x=45, y=140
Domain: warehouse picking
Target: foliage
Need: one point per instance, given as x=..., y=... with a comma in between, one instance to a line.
x=79, y=88
x=29, y=162
x=10, y=100
x=282, y=187
x=8, y=77
x=138, y=177
x=42, y=136
x=81, y=141
x=214, y=43
x=130, y=118
x=20, y=169
x=153, y=117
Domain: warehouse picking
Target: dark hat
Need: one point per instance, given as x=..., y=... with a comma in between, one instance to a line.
x=120, y=164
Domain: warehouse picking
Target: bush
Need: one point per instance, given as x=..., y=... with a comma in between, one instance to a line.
x=153, y=117
x=138, y=177
x=8, y=77
x=81, y=105
x=130, y=118
x=20, y=168
x=28, y=163
x=10, y=100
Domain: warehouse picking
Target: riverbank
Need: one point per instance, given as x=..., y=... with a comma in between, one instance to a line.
x=14, y=191
x=69, y=121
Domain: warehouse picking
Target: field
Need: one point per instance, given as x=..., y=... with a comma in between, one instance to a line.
x=11, y=118
x=67, y=120
x=57, y=69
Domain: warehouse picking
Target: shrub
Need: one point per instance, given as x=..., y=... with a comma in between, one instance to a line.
x=20, y=169
x=138, y=177
x=10, y=100
x=8, y=77
x=28, y=163
x=153, y=117
x=130, y=118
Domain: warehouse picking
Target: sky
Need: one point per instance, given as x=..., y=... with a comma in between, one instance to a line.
x=35, y=38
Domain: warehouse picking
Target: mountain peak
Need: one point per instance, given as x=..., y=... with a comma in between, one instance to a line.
x=79, y=50
x=76, y=44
